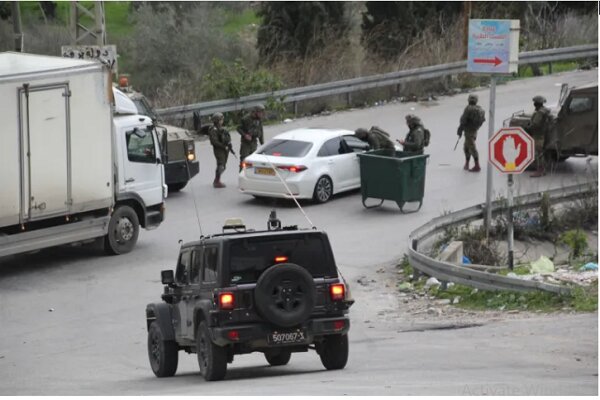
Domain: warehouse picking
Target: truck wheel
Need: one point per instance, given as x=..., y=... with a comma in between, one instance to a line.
x=176, y=187
x=285, y=295
x=334, y=351
x=212, y=359
x=123, y=231
x=280, y=358
x=162, y=353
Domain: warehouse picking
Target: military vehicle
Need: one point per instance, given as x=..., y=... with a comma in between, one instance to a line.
x=574, y=127
x=182, y=163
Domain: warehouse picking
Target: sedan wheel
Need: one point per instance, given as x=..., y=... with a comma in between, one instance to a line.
x=323, y=190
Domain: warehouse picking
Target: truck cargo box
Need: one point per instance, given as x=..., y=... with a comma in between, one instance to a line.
x=55, y=152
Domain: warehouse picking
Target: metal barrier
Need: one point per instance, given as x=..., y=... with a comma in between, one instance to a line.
x=369, y=82
x=474, y=277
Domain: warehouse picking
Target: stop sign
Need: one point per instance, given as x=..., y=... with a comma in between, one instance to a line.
x=511, y=150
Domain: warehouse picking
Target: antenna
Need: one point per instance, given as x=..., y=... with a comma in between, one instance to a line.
x=289, y=191
x=196, y=208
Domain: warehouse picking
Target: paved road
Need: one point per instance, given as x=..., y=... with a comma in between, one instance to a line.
x=72, y=320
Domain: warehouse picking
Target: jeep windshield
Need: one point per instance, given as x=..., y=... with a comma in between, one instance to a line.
x=249, y=257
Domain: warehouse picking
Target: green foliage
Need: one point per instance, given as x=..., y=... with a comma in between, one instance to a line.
x=291, y=30
x=576, y=240
x=232, y=80
x=236, y=22
x=585, y=298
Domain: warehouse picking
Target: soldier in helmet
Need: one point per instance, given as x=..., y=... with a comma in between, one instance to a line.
x=376, y=137
x=251, y=130
x=221, y=142
x=414, y=141
x=471, y=120
x=538, y=128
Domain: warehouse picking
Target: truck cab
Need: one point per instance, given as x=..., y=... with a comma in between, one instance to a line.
x=181, y=161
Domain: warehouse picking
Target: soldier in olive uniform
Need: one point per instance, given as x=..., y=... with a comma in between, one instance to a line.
x=471, y=120
x=221, y=142
x=251, y=130
x=538, y=128
x=376, y=137
x=415, y=139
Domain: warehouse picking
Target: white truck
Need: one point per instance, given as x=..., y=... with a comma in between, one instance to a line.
x=70, y=171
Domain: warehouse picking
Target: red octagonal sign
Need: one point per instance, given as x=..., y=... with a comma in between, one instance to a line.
x=511, y=150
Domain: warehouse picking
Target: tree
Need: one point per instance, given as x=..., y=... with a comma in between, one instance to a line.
x=299, y=29
x=389, y=28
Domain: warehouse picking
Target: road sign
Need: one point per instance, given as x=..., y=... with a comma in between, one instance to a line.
x=493, y=46
x=511, y=150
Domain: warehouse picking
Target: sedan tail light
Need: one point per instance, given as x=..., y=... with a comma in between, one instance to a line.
x=293, y=168
x=246, y=164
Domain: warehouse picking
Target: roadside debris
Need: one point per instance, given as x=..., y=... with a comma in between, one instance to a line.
x=542, y=265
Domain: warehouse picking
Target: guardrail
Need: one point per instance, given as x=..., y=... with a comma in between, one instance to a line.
x=448, y=272
x=369, y=82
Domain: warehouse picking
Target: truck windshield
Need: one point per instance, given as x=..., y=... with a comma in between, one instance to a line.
x=144, y=108
x=249, y=257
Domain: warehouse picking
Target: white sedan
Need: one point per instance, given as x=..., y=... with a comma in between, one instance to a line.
x=315, y=164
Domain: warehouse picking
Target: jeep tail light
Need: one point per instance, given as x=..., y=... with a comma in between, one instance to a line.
x=246, y=164
x=293, y=168
x=339, y=325
x=337, y=291
x=235, y=335
x=280, y=259
x=226, y=301
x=191, y=151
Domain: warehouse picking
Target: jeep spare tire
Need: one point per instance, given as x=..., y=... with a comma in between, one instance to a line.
x=285, y=295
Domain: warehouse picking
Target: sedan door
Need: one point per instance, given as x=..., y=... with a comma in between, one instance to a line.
x=339, y=162
x=355, y=146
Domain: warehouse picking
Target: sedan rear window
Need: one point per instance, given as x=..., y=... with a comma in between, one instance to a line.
x=248, y=258
x=286, y=148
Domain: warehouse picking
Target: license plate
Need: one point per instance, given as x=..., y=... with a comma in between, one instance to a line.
x=298, y=336
x=264, y=171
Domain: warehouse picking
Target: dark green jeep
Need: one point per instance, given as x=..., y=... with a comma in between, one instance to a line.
x=277, y=292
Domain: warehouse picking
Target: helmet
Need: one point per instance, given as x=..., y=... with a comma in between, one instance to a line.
x=361, y=133
x=473, y=99
x=217, y=117
x=539, y=99
x=412, y=119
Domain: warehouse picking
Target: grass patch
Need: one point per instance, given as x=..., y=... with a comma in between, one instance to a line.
x=237, y=22
x=580, y=299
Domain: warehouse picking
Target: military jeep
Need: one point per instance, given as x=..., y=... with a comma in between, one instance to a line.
x=574, y=129
x=241, y=291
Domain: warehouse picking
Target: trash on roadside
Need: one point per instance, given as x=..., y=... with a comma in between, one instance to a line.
x=589, y=267
x=466, y=260
x=543, y=265
x=431, y=282
x=405, y=286
x=511, y=275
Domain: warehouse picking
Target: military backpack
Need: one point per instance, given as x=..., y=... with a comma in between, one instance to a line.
x=426, y=137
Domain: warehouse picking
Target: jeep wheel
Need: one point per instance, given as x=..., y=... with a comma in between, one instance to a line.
x=212, y=359
x=285, y=295
x=334, y=351
x=123, y=231
x=162, y=353
x=278, y=358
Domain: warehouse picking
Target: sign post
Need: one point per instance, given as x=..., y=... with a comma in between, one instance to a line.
x=511, y=151
x=493, y=48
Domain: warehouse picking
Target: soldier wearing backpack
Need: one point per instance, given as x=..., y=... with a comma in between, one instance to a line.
x=418, y=136
x=376, y=137
x=538, y=127
x=471, y=120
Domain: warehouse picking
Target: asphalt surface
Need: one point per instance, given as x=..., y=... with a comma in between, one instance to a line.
x=72, y=320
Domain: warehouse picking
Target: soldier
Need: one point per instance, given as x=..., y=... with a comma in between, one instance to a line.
x=376, y=137
x=538, y=128
x=221, y=142
x=415, y=140
x=471, y=120
x=251, y=129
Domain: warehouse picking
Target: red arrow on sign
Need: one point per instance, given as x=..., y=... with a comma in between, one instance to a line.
x=496, y=61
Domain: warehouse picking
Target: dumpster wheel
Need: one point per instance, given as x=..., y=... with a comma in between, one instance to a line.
x=402, y=203
x=374, y=205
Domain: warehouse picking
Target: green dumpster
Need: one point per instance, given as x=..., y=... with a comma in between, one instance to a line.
x=392, y=175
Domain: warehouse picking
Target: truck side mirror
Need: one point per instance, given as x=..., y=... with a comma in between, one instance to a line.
x=167, y=277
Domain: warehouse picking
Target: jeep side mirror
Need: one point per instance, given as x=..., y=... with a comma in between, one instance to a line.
x=167, y=277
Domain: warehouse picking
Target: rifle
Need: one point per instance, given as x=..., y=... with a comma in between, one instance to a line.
x=459, y=132
x=230, y=148
x=457, y=143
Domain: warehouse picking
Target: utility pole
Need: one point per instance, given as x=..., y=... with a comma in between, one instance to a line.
x=466, y=17
x=16, y=14
x=94, y=33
